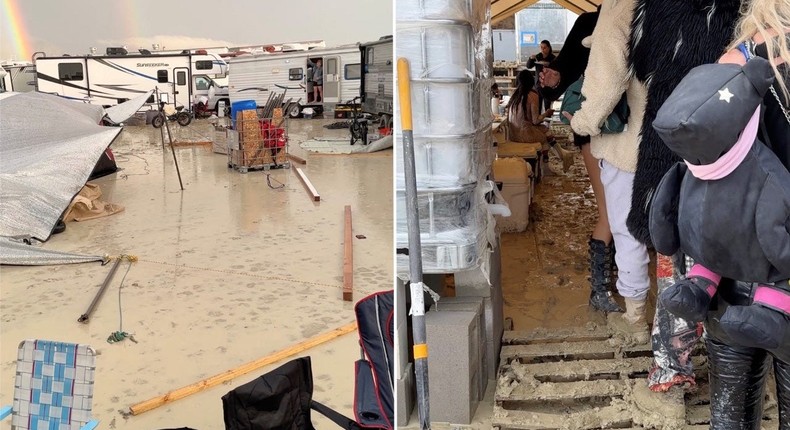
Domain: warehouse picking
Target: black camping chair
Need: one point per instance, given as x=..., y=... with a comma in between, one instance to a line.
x=283, y=398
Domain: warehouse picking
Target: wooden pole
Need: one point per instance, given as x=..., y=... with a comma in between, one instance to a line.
x=241, y=370
x=348, y=259
x=296, y=159
x=310, y=187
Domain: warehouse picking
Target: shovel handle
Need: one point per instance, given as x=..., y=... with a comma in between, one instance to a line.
x=404, y=94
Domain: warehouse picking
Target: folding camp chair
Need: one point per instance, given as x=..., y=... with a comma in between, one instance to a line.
x=54, y=387
x=283, y=398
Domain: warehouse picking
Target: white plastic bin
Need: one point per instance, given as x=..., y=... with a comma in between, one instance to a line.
x=437, y=49
x=448, y=108
x=515, y=174
x=448, y=161
x=473, y=11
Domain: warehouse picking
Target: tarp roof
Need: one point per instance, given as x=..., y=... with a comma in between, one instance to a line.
x=503, y=9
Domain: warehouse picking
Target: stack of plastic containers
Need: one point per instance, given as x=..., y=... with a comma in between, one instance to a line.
x=449, y=47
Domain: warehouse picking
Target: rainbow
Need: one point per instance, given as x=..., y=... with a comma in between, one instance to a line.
x=15, y=25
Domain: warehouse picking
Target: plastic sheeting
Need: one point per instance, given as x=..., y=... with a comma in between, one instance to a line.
x=48, y=149
x=18, y=253
x=120, y=113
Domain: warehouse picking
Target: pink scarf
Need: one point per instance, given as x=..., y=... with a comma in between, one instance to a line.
x=732, y=158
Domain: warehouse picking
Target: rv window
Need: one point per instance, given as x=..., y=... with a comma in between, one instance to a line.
x=201, y=84
x=204, y=65
x=161, y=76
x=70, y=71
x=295, y=74
x=181, y=78
x=369, y=55
x=353, y=71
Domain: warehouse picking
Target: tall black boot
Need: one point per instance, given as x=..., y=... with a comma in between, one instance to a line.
x=601, y=257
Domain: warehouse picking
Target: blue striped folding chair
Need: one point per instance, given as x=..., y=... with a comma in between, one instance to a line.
x=53, y=388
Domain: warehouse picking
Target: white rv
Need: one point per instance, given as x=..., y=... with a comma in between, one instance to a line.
x=254, y=77
x=112, y=79
x=376, y=86
x=18, y=77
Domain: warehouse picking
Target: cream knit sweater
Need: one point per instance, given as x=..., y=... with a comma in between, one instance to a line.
x=606, y=78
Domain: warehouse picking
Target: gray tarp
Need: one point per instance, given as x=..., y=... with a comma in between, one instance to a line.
x=48, y=148
x=120, y=113
x=17, y=253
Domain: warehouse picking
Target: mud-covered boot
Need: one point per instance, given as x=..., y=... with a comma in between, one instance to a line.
x=763, y=325
x=600, y=277
x=690, y=298
x=563, y=154
x=665, y=410
x=630, y=328
x=613, y=274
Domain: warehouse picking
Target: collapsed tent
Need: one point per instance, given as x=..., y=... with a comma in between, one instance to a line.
x=50, y=147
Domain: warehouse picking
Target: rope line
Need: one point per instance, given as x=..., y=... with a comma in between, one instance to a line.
x=120, y=334
x=252, y=275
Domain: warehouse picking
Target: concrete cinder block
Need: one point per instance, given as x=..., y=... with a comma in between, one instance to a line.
x=470, y=304
x=401, y=330
x=453, y=343
x=405, y=392
x=493, y=327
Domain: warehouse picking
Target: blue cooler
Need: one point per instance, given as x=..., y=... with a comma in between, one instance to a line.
x=239, y=106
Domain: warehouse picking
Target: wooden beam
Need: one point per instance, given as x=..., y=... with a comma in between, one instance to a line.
x=308, y=185
x=241, y=370
x=570, y=6
x=510, y=11
x=296, y=159
x=500, y=6
x=348, y=259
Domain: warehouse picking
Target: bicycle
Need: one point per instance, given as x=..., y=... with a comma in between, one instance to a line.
x=359, y=123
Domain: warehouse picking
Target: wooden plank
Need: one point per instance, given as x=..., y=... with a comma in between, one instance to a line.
x=296, y=159
x=577, y=390
x=570, y=334
x=567, y=350
x=605, y=417
x=593, y=369
x=308, y=185
x=348, y=258
x=241, y=370
x=516, y=149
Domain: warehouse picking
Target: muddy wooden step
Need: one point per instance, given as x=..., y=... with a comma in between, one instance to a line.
x=585, y=370
x=560, y=335
x=598, y=349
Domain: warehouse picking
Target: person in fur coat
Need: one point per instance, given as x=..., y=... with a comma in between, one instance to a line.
x=669, y=38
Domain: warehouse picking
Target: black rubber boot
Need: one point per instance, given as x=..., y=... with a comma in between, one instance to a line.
x=688, y=298
x=600, y=277
x=611, y=261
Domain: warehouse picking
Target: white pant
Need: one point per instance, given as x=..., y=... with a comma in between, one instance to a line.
x=631, y=256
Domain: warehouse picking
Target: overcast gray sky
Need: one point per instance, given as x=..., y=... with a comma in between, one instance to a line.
x=72, y=27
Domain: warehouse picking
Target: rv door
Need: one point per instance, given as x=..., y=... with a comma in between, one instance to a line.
x=181, y=90
x=331, y=80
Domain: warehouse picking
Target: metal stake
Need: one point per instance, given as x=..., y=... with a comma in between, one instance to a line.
x=86, y=316
x=415, y=247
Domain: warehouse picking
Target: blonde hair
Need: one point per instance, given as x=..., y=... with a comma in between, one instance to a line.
x=758, y=17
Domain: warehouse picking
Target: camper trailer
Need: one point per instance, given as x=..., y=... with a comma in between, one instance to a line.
x=254, y=77
x=114, y=78
x=376, y=84
x=18, y=77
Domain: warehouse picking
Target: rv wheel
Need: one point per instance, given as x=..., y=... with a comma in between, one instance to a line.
x=158, y=121
x=295, y=110
x=184, y=119
x=389, y=122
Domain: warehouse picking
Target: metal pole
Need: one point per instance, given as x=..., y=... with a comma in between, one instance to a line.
x=415, y=247
x=86, y=316
x=170, y=138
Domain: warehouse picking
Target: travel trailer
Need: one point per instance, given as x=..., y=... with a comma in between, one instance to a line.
x=18, y=77
x=376, y=84
x=114, y=78
x=254, y=77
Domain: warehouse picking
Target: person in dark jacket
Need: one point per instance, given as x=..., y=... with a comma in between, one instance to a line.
x=539, y=61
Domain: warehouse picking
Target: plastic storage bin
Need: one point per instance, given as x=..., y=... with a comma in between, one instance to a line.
x=515, y=174
x=473, y=11
x=448, y=252
x=448, y=161
x=239, y=106
x=437, y=49
x=442, y=108
x=442, y=210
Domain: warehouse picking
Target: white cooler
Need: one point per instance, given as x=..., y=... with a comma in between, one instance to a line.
x=516, y=177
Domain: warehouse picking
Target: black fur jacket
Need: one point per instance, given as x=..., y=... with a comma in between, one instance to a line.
x=668, y=39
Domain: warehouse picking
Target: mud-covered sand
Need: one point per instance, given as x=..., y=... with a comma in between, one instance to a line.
x=229, y=271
